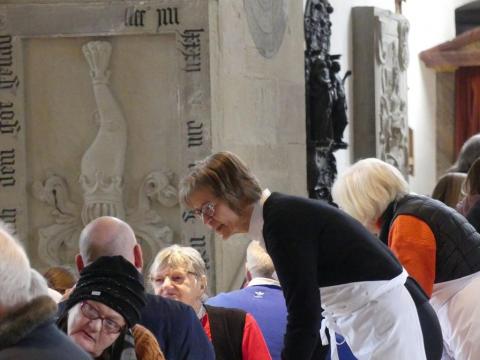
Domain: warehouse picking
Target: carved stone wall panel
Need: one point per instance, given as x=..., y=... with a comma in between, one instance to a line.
x=380, y=86
x=144, y=65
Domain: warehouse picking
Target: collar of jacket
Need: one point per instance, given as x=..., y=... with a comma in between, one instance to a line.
x=386, y=221
x=23, y=320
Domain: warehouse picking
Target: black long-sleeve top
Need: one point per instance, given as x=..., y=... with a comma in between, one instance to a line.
x=313, y=245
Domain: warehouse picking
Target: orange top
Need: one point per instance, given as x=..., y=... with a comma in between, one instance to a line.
x=413, y=242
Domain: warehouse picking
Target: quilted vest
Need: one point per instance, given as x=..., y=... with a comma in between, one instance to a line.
x=457, y=242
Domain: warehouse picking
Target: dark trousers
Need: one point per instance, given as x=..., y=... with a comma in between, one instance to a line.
x=432, y=333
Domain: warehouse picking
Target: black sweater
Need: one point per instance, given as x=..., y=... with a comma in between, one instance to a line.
x=312, y=245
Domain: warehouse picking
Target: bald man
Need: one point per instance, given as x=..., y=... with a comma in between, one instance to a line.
x=174, y=324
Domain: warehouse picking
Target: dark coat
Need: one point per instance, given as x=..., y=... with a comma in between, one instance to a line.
x=29, y=333
x=177, y=329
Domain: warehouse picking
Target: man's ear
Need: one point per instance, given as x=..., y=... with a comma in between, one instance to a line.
x=138, y=257
x=79, y=262
x=249, y=276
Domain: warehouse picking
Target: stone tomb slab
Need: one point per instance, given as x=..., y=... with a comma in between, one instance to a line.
x=103, y=107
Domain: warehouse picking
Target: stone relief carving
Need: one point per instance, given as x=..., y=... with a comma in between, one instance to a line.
x=101, y=179
x=392, y=51
x=60, y=239
x=403, y=53
x=267, y=21
x=104, y=161
x=147, y=224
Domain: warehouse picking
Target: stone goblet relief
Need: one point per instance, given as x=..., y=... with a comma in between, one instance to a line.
x=102, y=179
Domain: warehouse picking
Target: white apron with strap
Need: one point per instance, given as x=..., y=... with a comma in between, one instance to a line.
x=458, y=309
x=378, y=319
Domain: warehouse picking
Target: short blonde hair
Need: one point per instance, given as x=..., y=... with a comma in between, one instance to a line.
x=226, y=176
x=259, y=263
x=366, y=189
x=176, y=256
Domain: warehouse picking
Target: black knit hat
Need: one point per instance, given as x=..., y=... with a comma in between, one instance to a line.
x=113, y=281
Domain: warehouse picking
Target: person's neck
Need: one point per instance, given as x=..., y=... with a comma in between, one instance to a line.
x=199, y=309
x=244, y=223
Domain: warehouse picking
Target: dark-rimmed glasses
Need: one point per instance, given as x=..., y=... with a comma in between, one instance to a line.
x=207, y=209
x=108, y=325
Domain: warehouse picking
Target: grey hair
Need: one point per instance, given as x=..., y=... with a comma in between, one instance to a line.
x=38, y=285
x=366, y=189
x=184, y=257
x=259, y=263
x=15, y=274
x=176, y=256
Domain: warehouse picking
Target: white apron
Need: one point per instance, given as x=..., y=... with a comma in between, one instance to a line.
x=457, y=304
x=378, y=320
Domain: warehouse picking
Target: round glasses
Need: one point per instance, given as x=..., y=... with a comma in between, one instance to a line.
x=108, y=325
x=207, y=209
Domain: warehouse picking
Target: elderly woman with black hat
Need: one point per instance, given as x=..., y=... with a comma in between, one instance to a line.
x=102, y=312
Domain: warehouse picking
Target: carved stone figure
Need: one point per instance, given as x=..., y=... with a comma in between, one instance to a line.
x=326, y=100
x=267, y=21
x=101, y=179
x=103, y=163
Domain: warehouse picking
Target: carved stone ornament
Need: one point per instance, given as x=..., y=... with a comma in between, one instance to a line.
x=267, y=21
x=403, y=53
x=101, y=179
x=60, y=240
x=104, y=161
x=392, y=51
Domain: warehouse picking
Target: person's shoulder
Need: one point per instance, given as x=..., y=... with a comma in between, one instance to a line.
x=53, y=341
x=161, y=302
x=167, y=307
x=225, y=298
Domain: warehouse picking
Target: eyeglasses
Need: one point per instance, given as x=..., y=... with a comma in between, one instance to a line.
x=177, y=277
x=109, y=325
x=207, y=209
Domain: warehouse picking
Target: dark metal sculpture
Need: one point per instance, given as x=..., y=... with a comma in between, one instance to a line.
x=325, y=101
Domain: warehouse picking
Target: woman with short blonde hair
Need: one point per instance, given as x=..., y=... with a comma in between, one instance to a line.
x=436, y=245
x=380, y=184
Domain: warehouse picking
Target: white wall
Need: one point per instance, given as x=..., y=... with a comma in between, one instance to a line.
x=431, y=22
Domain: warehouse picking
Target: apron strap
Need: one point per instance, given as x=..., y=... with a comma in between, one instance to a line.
x=327, y=323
